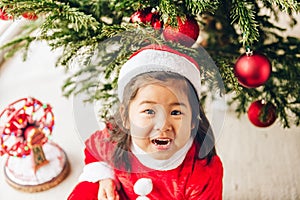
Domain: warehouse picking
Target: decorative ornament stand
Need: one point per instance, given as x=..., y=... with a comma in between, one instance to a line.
x=34, y=162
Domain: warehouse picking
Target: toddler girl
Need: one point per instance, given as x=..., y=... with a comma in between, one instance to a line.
x=159, y=145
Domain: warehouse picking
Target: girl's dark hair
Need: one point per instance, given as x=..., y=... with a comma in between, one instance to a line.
x=203, y=134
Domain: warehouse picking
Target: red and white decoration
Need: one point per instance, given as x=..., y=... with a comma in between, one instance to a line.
x=20, y=115
x=147, y=15
x=26, y=15
x=34, y=162
x=255, y=113
x=21, y=170
x=30, y=16
x=252, y=69
x=186, y=33
x=4, y=15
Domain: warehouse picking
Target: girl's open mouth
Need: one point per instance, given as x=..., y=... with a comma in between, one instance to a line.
x=162, y=143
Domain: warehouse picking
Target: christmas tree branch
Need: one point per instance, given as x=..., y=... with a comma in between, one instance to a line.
x=22, y=41
x=84, y=29
x=170, y=11
x=197, y=7
x=243, y=14
x=286, y=6
x=19, y=45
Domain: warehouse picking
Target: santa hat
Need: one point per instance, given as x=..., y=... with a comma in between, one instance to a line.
x=159, y=58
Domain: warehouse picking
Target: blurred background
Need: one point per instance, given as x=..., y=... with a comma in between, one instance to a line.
x=259, y=163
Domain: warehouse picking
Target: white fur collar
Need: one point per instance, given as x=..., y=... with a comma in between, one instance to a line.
x=162, y=165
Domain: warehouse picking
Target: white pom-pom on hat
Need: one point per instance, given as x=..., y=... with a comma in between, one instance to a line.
x=143, y=187
x=159, y=58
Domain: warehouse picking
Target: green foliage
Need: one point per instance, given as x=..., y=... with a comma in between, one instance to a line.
x=289, y=7
x=84, y=30
x=197, y=7
x=243, y=14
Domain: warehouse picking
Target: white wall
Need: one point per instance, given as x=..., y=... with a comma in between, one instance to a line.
x=259, y=163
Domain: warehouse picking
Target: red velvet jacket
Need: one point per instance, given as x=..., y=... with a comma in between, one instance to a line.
x=192, y=180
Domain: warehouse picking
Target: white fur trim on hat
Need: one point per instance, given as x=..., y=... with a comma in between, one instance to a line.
x=150, y=60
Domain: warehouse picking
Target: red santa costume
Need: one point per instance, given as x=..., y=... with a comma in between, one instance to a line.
x=191, y=179
x=182, y=177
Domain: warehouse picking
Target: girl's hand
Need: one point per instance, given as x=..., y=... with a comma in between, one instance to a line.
x=107, y=190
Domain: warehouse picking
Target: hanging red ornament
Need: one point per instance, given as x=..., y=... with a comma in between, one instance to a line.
x=252, y=69
x=4, y=15
x=185, y=33
x=147, y=15
x=30, y=16
x=257, y=116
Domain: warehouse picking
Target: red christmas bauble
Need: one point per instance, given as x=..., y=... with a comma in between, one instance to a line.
x=4, y=15
x=252, y=70
x=186, y=33
x=145, y=16
x=255, y=113
x=30, y=16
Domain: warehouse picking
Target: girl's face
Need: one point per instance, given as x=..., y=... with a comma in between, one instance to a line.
x=160, y=119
